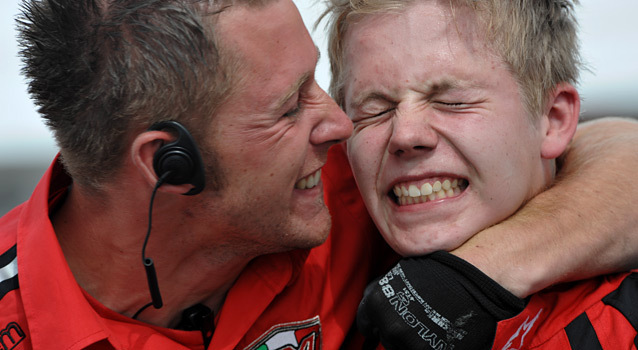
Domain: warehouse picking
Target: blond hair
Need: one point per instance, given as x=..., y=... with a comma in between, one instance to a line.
x=537, y=39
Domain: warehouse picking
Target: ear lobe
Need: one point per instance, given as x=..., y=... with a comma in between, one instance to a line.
x=561, y=120
x=143, y=150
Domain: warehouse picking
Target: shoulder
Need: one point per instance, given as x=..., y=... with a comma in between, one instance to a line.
x=9, y=261
x=594, y=310
x=9, y=228
x=12, y=317
x=8, y=252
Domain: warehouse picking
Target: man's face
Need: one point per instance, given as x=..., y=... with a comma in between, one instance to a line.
x=442, y=145
x=272, y=135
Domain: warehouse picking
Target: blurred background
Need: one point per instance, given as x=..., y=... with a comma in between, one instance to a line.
x=609, y=37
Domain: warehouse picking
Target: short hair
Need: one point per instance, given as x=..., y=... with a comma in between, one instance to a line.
x=537, y=39
x=101, y=71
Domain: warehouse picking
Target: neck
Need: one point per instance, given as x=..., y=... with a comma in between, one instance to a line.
x=102, y=242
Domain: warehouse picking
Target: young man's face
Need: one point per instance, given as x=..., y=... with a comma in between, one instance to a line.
x=442, y=144
x=272, y=135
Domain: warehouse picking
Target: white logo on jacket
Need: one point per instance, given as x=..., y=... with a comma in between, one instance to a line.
x=525, y=327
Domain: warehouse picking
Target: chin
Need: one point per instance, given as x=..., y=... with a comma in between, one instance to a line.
x=411, y=251
x=315, y=234
x=322, y=233
x=426, y=245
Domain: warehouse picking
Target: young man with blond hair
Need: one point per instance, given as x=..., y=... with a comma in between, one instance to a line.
x=460, y=110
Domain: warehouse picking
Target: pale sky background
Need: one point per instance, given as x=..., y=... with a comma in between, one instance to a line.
x=609, y=36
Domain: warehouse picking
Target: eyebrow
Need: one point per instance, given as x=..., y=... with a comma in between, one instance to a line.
x=437, y=88
x=292, y=90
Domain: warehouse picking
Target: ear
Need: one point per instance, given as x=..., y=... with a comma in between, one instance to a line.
x=143, y=149
x=560, y=120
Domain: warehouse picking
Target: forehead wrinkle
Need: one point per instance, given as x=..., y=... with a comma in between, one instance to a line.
x=292, y=90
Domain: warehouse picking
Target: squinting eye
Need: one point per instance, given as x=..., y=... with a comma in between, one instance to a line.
x=384, y=112
x=292, y=112
x=363, y=120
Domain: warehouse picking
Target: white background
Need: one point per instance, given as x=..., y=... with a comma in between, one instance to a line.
x=609, y=36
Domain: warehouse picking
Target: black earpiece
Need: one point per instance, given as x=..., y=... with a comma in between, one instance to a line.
x=175, y=163
x=181, y=158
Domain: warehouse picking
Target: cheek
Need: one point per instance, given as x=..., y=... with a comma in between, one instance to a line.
x=503, y=177
x=364, y=160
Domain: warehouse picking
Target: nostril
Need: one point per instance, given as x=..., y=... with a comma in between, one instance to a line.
x=407, y=142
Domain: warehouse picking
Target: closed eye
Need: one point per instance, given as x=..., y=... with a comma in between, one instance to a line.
x=384, y=112
x=293, y=112
x=365, y=117
x=451, y=103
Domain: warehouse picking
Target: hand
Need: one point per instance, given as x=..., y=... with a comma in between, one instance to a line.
x=437, y=301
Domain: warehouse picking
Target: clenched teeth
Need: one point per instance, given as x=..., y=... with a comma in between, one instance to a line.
x=309, y=181
x=413, y=194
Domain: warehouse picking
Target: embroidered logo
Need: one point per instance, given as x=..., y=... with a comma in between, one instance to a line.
x=521, y=332
x=11, y=336
x=302, y=335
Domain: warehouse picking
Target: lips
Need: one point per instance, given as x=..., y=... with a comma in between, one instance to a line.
x=415, y=192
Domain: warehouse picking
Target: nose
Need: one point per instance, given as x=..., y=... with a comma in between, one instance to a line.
x=412, y=134
x=333, y=126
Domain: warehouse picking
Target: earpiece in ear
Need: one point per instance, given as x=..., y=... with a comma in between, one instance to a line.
x=179, y=159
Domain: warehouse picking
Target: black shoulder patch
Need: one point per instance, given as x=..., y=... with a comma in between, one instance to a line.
x=581, y=334
x=625, y=300
x=8, y=271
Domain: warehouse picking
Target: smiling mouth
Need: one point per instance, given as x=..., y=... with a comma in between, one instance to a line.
x=415, y=193
x=309, y=181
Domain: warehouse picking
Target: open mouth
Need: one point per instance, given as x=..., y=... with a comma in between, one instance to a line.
x=309, y=181
x=421, y=192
